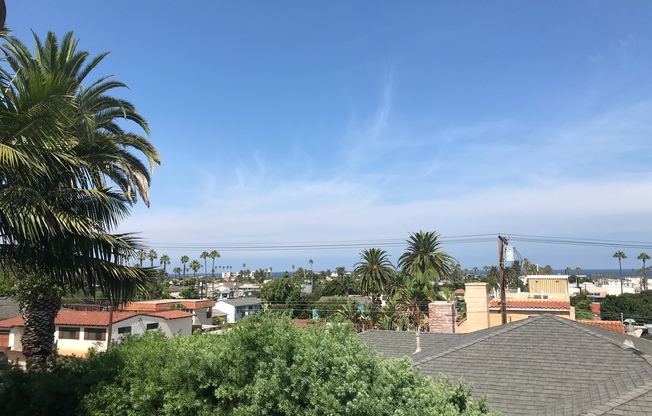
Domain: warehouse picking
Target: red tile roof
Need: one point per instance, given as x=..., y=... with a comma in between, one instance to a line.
x=95, y=318
x=595, y=308
x=542, y=304
x=616, y=326
x=171, y=314
x=166, y=304
x=12, y=322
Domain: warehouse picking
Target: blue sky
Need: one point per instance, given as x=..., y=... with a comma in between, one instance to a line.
x=289, y=122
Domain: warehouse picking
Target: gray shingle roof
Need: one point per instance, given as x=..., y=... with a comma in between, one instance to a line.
x=243, y=301
x=544, y=365
x=8, y=308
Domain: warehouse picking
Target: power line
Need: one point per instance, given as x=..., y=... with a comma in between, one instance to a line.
x=396, y=242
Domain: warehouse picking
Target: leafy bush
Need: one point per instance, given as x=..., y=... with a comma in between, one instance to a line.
x=263, y=366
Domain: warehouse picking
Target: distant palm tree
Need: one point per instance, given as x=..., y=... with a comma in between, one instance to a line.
x=312, y=279
x=152, y=255
x=214, y=255
x=204, y=255
x=567, y=270
x=177, y=271
x=577, y=275
x=195, y=265
x=620, y=255
x=184, y=260
x=141, y=256
x=644, y=257
x=164, y=261
x=374, y=270
x=341, y=271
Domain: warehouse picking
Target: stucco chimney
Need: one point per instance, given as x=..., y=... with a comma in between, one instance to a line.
x=441, y=317
x=476, y=296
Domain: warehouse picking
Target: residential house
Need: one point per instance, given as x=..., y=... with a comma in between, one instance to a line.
x=201, y=309
x=543, y=365
x=77, y=331
x=483, y=312
x=238, y=308
x=224, y=291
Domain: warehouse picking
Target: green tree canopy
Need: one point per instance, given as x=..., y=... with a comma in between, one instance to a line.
x=424, y=252
x=265, y=365
x=374, y=270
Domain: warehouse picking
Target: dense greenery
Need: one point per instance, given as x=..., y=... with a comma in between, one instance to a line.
x=263, y=366
x=637, y=306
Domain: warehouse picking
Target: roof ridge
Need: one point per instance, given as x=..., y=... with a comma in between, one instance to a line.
x=493, y=332
x=611, y=404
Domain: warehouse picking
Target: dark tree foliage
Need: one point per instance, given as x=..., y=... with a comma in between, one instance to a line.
x=265, y=365
x=637, y=306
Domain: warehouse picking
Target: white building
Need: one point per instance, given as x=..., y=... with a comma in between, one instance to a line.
x=236, y=309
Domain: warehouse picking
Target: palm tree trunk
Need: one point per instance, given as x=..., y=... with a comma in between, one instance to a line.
x=38, y=338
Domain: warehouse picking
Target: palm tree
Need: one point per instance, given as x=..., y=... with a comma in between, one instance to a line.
x=374, y=270
x=620, y=255
x=312, y=279
x=577, y=275
x=164, y=261
x=184, y=260
x=644, y=257
x=204, y=255
x=567, y=270
x=61, y=153
x=423, y=253
x=141, y=256
x=152, y=255
x=214, y=255
x=177, y=271
x=194, y=265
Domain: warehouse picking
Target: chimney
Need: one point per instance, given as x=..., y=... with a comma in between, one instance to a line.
x=441, y=317
x=476, y=296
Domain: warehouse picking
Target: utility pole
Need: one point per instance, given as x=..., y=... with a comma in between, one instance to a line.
x=503, y=293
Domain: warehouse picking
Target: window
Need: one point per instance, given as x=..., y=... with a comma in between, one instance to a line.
x=152, y=326
x=124, y=330
x=209, y=313
x=68, y=332
x=95, y=334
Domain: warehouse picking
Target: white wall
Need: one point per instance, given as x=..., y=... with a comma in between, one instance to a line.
x=228, y=309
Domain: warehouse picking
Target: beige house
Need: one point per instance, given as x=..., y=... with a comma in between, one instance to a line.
x=483, y=312
x=78, y=331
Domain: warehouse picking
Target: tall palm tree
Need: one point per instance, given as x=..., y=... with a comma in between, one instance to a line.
x=423, y=253
x=374, y=270
x=312, y=274
x=164, y=261
x=141, y=256
x=184, y=260
x=620, y=255
x=214, y=255
x=59, y=157
x=177, y=271
x=644, y=257
x=204, y=255
x=152, y=255
x=577, y=275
